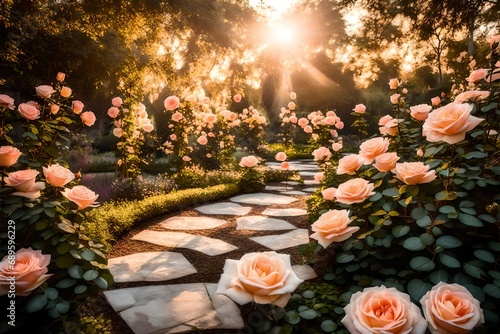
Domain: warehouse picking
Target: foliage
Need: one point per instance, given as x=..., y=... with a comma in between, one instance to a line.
x=196, y=177
x=141, y=187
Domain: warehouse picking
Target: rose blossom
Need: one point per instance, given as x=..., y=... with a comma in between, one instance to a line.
x=118, y=132
x=54, y=109
x=57, y=175
x=349, y=164
x=285, y=165
x=280, y=156
x=303, y=122
x=318, y=177
x=414, y=173
x=382, y=310
x=202, y=140
x=210, y=118
x=113, y=112
x=44, y=91
x=339, y=125
x=471, y=96
x=332, y=226
x=308, y=129
x=477, y=75
x=6, y=101
x=420, y=112
x=186, y=158
x=322, y=154
x=359, y=108
x=435, y=101
x=386, y=161
x=237, y=98
x=148, y=127
x=9, y=155
x=77, y=106
x=329, y=193
x=394, y=83
x=29, y=271
x=395, y=98
x=249, y=161
x=293, y=96
x=261, y=277
x=88, y=118
x=329, y=120
x=420, y=152
x=66, y=91
x=22, y=180
x=450, y=123
x=177, y=116
x=384, y=120
x=293, y=119
x=29, y=111
x=354, y=191
x=60, y=76
x=337, y=146
x=372, y=148
x=173, y=137
x=171, y=103
x=116, y=101
x=451, y=308
x=391, y=127
x=81, y=196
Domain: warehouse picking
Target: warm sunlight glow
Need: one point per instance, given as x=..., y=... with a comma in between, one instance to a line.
x=282, y=33
x=273, y=8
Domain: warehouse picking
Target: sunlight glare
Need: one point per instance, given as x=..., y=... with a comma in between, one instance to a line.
x=273, y=8
x=282, y=33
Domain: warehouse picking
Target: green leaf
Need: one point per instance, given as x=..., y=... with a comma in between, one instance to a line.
x=413, y=244
x=344, y=258
x=76, y=271
x=391, y=192
x=328, y=326
x=469, y=220
x=426, y=239
x=292, y=317
x=88, y=255
x=308, y=314
x=63, y=247
x=51, y=293
x=492, y=290
x=438, y=276
x=447, y=209
x=419, y=213
x=65, y=283
x=80, y=289
x=418, y=288
x=63, y=307
x=400, y=230
x=101, y=282
x=448, y=260
x=422, y=263
x=473, y=270
x=476, y=155
x=448, y=241
x=90, y=275
x=484, y=255
x=36, y=303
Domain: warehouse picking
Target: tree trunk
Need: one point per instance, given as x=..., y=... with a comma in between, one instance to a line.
x=470, y=43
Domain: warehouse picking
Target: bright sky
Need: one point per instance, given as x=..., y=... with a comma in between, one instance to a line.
x=278, y=7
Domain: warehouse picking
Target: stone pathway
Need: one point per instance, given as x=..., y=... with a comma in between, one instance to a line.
x=177, y=308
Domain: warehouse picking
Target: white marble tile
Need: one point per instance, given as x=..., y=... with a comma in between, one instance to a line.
x=150, y=266
x=310, y=189
x=192, y=223
x=229, y=313
x=294, y=192
x=263, y=199
x=284, y=212
x=304, y=272
x=260, y=223
x=282, y=241
x=311, y=182
x=224, y=208
x=276, y=188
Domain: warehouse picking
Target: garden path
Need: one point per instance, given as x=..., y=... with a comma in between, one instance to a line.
x=277, y=217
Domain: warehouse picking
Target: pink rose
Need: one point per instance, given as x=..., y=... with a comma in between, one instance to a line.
x=285, y=165
x=471, y=96
x=420, y=152
x=60, y=76
x=44, y=91
x=177, y=116
x=391, y=127
x=293, y=119
x=414, y=173
x=113, y=112
x=172, y=103
x=394, y=83
x=77, y=106
x=54, y=109
x=420, y=112
x=337, y=147
x=148, y=127
x=329, y=193
x=202, y=140
x=332, y=226
x=339, y=125
x=249, y=161
x=435, y=101
x=308, y=129
x=395, y=98
x=173, y=137
x=318, y=177
x=386, y=161
x=349, y=164
x=29, y=111
x=329, y=120
x=186, y=158
x=9, y=155
x=354, y=191
x=450, y=123
x=291, y=105
x=478, y=75
x=359, y=108
x=382, y=310
x=22, y=180
x=237, y=98
x=6, y=102
x=384, y=120
x=28, y=272
x=280, y=156
x=88, y=118
x=293, y=96
x=118, y=132
x=263, y=278
x=116, y=101
x=322, y=154
x=210, y=118
x=81, y=196
x=66, y=92
x=372, y=148
x=451, y=308
x=57, y=175
x=303, y=122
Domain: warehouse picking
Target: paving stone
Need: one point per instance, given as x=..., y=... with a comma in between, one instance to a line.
x=261, y=223
x=224, y=208
x=263, y=199
x=150, y=266
x=311, y=182
x=173, y=308
x=304, y=272
x=284, y=212
x=192, y=223
x=206, y=245
x=290, y=183
x=310, y=189
x=307, y=173
x=282, y=241
x=276, y=188
x=294, y=192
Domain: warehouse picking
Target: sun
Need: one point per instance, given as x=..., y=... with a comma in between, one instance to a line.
x=282, y=33
x=273, y=8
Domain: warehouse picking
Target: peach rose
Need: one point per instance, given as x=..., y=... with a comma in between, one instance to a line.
x=293, y=96
x=293, y=119
x=322, y=154
x=372, y=148
x=173, y=137
x=435, y=101
x=291, y=105
x=303, y=122
x=386, y=161
x=28, y=111
x=88, y=118
x=451, y=308
x=384, y=120
x=308, y=129
x=318, y=177
x=420, y=153
x=60, y=76
x=81, y=196
x=329, y=120
x=113, y=112
x=54, y=109
x=116, y=101
x=329, y=193
x=394, y=83
x=354, y=191
x=186, y=158
x=28, y=271
x=6, y=102
x=118, y=132
x=390, y=128
x=177, y=116
x=237, y=98
x=450, y=123
x=414, y=173
x=471, y=96
x=202, y=140
x=332, y=226
x=44, y=91
x=148, y=127
x=171, y=103
x=383, y=310
x=359, y=108
x=210, y=118
x=285, y=165
x=249, y=161
x=66, y=91
x=263, y=278
x=9, y=155
x=280, y=156
x=336, y=147
x=420, y=112
x=349, y=164
x=477, y=75
x=339, y=125
x=77, y=106
x=22, y=180
x=394, y=98
x=57, y=175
